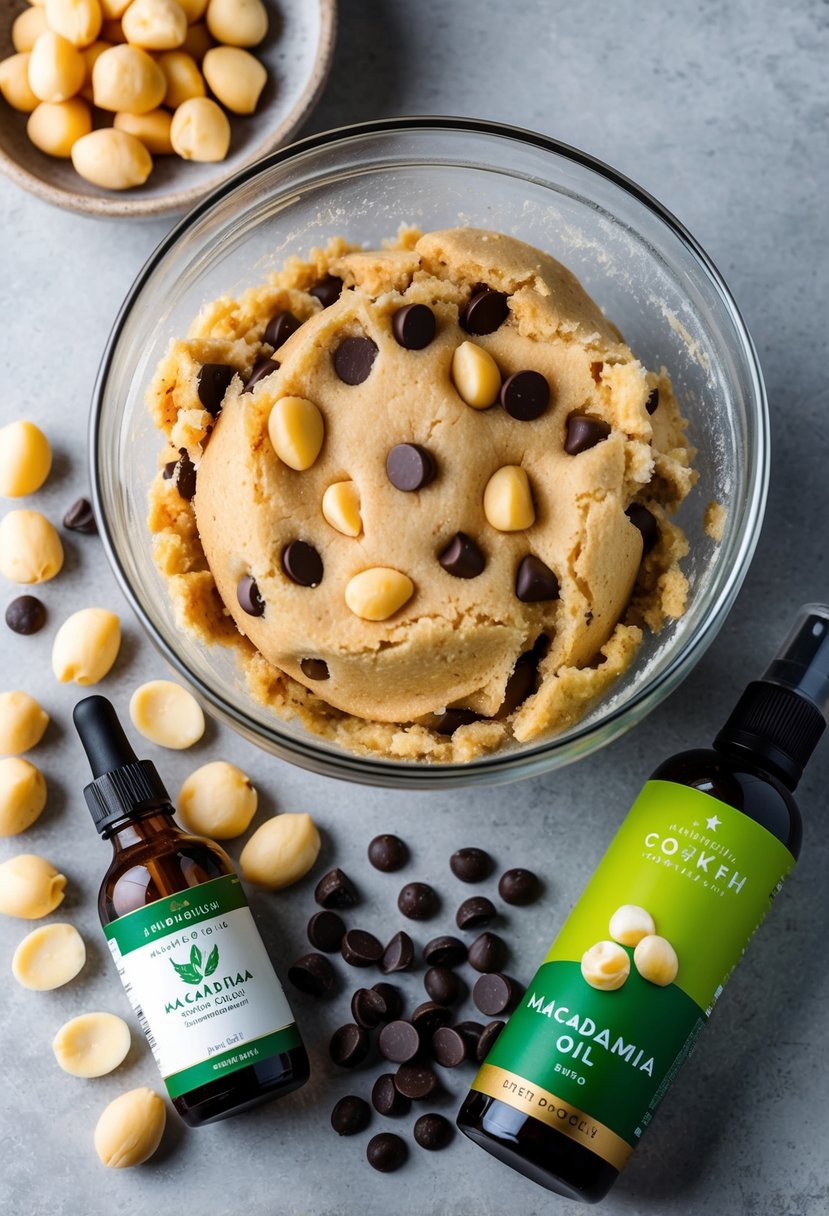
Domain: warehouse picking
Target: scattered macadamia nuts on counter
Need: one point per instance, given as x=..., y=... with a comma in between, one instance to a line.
x=167, y=714
x=155, y=25
x=78, y=21
x=237, y=22
x=127, y=78
x=27, y=28
x=49, y=957
x=152, y=128
x=630, y=923
x=605, y=966
x=86, y=646
x=56, y=68
x=130, y=1128
x=200, y=130
x=30, y=887
x=30, y=548
x=15, y=87
x=55, y=127
x=92, y=1044
x=656, y=961
x=235, y=76
x=22, y=723
x=22, y=795
x=281, y=852
x=25, y=454
x=217, y=800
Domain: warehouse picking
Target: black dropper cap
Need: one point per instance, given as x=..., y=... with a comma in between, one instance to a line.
x=124, y=786
x=780, y=718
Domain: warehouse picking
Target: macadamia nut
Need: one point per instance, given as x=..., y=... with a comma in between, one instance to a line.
x=200, y=130
x=237, y=22
x=184, y=80
x=92, y=1044
x=130, y=1129
x=27, y=28
x=91, y=54
x=656, y=961
x=194, y=10
x=22, y=795
x=112, y=158
x=78, y=21
x=25, y=455
x=235, y=76
x=30, y=887
x=113, y=10
x=167, y=714
x=475, y=375
x=296, y=430
x=508, y=500
x=49, y=957
x=86, y=646
x=198, y=41
x=56, y=68
x=15, y=87
x=126, y=78
x=630, y=923
x=376, y=594
x=156, y=25
x=605, y=966
x=22, y=723
x=217, y=800
x=30, y=548
x=280, y=852
x=153, y=129
x=56, y=127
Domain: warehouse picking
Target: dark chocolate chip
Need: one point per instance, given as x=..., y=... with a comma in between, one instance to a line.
x=584, y=432
x=429, y=1017
x=302, y=563
x=462, y=557
x=523, y=681
x=386, y=1098
x=213, y=381
x=453, y=719
x=314, y=669
x=280, y=328
x=327, y=291
x=518, y=887
x=417, y=901
x=261, y=368
x=444, y=952
x=652, y=403
x=350, y=1115
x=495, y=993
x=416, y=1081
x=525, y=395
x=81, y=518
x=410, y=467
x=432, y=1132
x=392, y=998
x=349, y=1045
x=388, y=853
x=26, y=615
x=326, y=931
x=184, y=475
x=642, y=519
x=399, y=1041
x=488, y=952
x=368, y=1008
x=485, y=312
x=335, y=890
x=169, y=469
x=354, y=359
x=471, y=865
x=487, y=1040
x=413, y=326
x=475, y=912
x=535, y=581
x=361, y=949
x=471, y=1032
x=441, y=985
x=448, y=1047
x=249, y=597
x=312, y=973
x=386, y=1152
x=398, y=954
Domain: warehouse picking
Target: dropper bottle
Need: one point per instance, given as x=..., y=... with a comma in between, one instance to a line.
x=188, y=952
x=575, y=1077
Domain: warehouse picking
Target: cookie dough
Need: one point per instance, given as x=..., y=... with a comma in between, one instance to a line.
x=510, y=465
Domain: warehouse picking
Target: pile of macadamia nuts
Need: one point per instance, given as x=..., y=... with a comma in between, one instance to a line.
x=145, y=64
x=606, y=965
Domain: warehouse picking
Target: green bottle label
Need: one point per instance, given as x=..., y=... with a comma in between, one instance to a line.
x=595, y=1063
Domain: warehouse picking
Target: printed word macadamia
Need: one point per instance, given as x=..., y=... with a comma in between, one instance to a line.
x=30, y=887
x=630, y=923
x=86, y=646
x=49, y=957
x=606, y=966
x=656, y=961
x=25, y=454
x=217, y=800
x=92, y=1044
x=167, y=714
x=22, y=795
x=22, y=723
x=130, y=1129
x=280, y=852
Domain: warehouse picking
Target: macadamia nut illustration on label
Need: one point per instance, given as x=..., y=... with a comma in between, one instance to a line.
x=606, y=965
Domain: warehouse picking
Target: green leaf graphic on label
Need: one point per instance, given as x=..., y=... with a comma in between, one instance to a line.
x=195, y=958
x=192, y=973
x=212, y=961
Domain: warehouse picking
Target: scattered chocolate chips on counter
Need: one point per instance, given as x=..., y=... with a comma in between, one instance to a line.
x=81, y=518
x=413, y=326
x=409, y=467
x=416, y=1081
x=645, y=521
x=335, y=890
x=471, y=865
x=486, y=311
x=487, y=1039
x=429, y=1017
x=488, y=952
x=583, y=433
x=26, y=615
x=349, y=1045
x=388, y=853
x=399, y=1041
x=518, y=887
x=398, y=954
x=386, y=1152
x=417, y=901
x=535, y=581
x=327, y=291
x=312, y=973
x=368, y=1008
x=495, y=993
x=361, y=949
x=444, y=952
x=326, y=931
x=448, y=1047
x=392, y=998
x=432, y=1131
x=387, y=1099
x=280, y=328
x=354, y=359
x=525, y=396
x=462, y=558
x=350, y=1115
x=442, y=985
x=475, y=912
x=302, y=564
x=249, y=596
x=212, y=383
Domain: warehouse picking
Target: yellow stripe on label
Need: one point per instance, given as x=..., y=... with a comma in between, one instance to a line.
x=554, y=1111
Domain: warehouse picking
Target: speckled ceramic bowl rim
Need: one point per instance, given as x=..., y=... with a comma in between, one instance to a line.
x=506, y=765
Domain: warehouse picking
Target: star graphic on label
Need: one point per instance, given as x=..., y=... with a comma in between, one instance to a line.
x=713, y=823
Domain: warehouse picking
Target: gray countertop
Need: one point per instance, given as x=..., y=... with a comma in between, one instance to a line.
x=721, y=111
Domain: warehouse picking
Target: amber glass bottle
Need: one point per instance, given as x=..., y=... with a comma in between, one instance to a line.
x=182, y=936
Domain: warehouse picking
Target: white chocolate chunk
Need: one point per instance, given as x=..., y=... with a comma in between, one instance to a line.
x=22, y=795
x=200, y=130
x=296, y=430
x=630, y=923
x=341, y=508
x=508, y=502
x=16, y=90
x=49, y=957
x=235, y=76
x=30, y=887
x=217, y=800
x=656, y=961
x=167, y=714
x=56, y=127
x=155, y=25
x=605, y=966
x=30, y=548
x=281, y=852
x=127, y=78
x=56, y=68
x=86, y=646
x=92, y=1044
x=237, y=22
x=78, y=21
x=475, y=375
x=22, y=723
x=376, y=594
x=130, y=1129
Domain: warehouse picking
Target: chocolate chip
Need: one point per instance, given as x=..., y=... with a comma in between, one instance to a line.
x=354, y=359
x=169, y=469
x=652, y=403
x=386, y=1098
x=327, y=291
x=368, y=1008
x=388, y=853
x=410, y=467
x=584, y=432
x=487, y=1040
x=642, y=519
x=261, y=368
x=518, y=887
x=535, y=581
x=26, y=615
x=413, y=326
x=448, y=1047
x=386, y=1152
x=280, y=328
x=398, y=954
x=361, y=949
x=523, y=681
x=81, y=518
x=416, y=1081
x=335, y=890
x=417, y=901
x=453, y=719
x=184, y=475
x=495, y=993
x=471, y=865
x=444, y=952
x=312, y=973
x=475, y=912
x=399, y=1041
x=441, y=985
x=249, y=597
x=488, y=952
x=302, y=564
x=326, y=931
x=471, y=1032
x=350, y=1115
x=392, y=998
x=429, y=1017
x=314, y=669
x=462, y=557
x=349, y=1045
x=432, y=1132
x=525, y=395
x=212, y=381
x=485, y=312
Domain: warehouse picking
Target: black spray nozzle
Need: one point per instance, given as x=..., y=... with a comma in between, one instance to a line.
x=123, y=785
x=802, y=662
x=102, y=735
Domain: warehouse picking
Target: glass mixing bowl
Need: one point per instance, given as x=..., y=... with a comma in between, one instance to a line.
x=362, y=182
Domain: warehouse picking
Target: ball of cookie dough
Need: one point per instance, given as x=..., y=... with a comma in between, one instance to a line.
x=235, y=76
x=184, y=80
x=25, y=457
x=112, y=159
x=130, y=1129
x=56, y=128
x=167, y=714
x=630, y=923
x=237, y=22
x=78, y=21
x=27, y=28
x=217, y=800
x=92, y=1044
x=86, y=646
x=152, y=129
x=656, y=961
x=15, y=87
x=56, y=68
x=605, y=966
x=281, y=852
x=200, y=130
x=22, y=795
x=156, y=25
x=22, y=723
x=30, y=887
x=49, y=957
x=127, y=78
x=30, y=548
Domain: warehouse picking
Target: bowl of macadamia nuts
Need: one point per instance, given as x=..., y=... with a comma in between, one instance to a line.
x=142, y=107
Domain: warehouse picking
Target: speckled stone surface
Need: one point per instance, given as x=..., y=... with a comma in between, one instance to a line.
x=721, y=111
